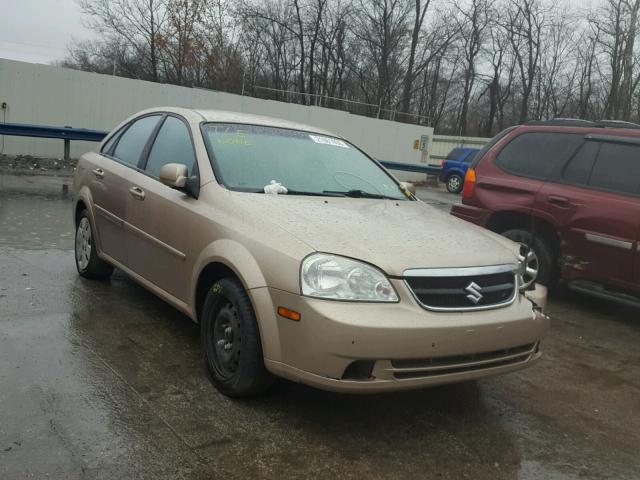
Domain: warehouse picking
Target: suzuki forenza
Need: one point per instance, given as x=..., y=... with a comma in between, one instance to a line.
x=300, y=256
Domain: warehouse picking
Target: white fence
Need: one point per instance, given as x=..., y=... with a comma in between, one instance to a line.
x=443, y=144
x=46, y=95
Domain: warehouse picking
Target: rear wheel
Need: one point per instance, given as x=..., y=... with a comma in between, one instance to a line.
x=538, y=256
x=231, y=341
x=88, y=263
x=455, y=183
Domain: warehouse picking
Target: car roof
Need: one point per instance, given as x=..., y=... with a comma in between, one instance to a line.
x=224, y=116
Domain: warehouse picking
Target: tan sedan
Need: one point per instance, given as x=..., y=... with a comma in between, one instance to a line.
x=300, y=256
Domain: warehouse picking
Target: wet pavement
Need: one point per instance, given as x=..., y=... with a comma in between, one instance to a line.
x=104, y=380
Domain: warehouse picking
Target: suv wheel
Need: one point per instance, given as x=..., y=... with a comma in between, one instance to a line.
x=455, y=183
x=88, y=263
x=538, y=256
x=231, y=341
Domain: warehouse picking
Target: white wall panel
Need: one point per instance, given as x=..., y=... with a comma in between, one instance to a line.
x=46, y=95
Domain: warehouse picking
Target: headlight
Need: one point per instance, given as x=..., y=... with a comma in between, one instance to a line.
x=340, y=278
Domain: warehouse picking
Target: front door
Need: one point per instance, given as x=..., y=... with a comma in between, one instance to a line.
x=159, y=217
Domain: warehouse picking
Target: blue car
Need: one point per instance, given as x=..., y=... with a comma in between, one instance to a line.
x=455, y=167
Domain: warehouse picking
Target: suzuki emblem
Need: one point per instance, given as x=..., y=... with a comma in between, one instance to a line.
x=474, y=291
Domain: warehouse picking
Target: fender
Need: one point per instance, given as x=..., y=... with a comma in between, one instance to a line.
x=84, y=195
x=237, y=258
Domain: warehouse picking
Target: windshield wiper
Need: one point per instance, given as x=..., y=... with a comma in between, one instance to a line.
x=360, y=194
x=313, y=194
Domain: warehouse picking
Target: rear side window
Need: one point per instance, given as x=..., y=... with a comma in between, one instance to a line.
x=470, y=157
x=172, y=145
x=535, y=154
x=579, y=168
x=132, y=142
x=617, y=168
x=106, y=149
x=489, y=145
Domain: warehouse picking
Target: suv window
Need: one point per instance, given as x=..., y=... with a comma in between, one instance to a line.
x=617, y=168
x=134, y=139
x=535, y=154
x=579, y=168
x=172, y=145
x=455, y=154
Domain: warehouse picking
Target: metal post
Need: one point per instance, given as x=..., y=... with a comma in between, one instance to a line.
x=67, y=148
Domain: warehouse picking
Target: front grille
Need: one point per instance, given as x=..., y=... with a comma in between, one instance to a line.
x=435, y=366
x=461, y=291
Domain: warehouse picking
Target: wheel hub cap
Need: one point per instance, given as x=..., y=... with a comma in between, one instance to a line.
x=227, y=340
x=83, y=243
x=529, y=258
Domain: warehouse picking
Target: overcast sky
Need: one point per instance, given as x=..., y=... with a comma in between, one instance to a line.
x=39, y=31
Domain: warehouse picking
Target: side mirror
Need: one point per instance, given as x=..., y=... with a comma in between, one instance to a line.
x=174, y=175
x=410, y=187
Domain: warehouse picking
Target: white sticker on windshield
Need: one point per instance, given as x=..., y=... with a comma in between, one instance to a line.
x=329, y=141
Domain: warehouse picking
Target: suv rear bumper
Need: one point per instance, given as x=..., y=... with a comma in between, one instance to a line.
x=476, y=215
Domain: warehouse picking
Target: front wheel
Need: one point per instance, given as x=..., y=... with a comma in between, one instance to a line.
x=231, y=341
x=537, y=255
x=88, y=263
x=455, y=183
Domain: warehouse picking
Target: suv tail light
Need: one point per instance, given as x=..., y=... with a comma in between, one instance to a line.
x=469, y=183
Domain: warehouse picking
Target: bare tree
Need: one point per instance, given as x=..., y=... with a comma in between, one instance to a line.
x=138, y=22
x=472, y=25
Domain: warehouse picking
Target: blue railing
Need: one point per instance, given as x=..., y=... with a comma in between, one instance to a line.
x=69, y=133
x=42, y=131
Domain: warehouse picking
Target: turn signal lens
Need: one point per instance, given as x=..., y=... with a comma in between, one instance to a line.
x=290, y=314
x=469, y=183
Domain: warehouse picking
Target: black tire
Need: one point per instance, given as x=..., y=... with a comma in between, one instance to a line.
x=88, y=263
x=541, y=246
x=455, y=183
x=233, y=358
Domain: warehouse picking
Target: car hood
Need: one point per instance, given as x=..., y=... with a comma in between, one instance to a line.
x=393, y=235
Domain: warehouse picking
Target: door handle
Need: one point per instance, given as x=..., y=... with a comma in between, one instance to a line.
x=137, y=193
x=562, y=202
x=98, y=172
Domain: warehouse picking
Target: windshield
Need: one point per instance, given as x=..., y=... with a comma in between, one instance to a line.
x=251, y=157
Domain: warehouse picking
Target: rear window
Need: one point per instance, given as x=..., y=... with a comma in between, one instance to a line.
x=535, y=154
x=455, y=154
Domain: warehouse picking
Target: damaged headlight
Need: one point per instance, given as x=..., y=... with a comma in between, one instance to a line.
x=340, y=278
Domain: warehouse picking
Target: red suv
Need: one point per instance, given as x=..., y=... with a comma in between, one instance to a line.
x=569, y=191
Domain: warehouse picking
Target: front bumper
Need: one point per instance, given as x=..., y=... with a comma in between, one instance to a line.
x=404, y=345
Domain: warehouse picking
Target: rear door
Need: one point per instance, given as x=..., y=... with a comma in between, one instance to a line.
x=109, y=189
x=529, y=159
x=160, y=217
x=594, y=200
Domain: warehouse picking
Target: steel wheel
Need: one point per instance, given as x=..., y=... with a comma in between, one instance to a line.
x=227, y=341
x=454, y=183
x=531, y=263
x=83, y=243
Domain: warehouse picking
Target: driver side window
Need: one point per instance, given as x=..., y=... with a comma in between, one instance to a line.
x=172, y=145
